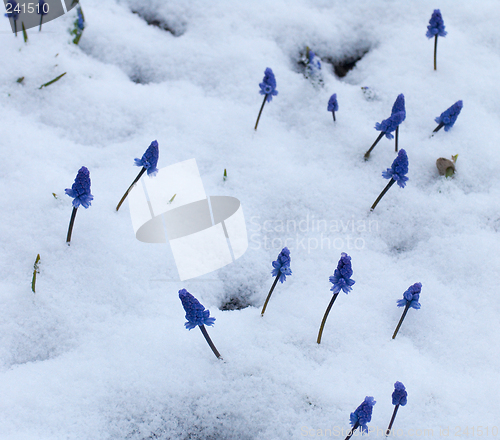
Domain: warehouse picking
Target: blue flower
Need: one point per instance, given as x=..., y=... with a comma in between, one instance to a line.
x=448, y=117
x=390, y=124
x=195, y=312
x=314, y=61
x=14, y=14
x=81, y=21
x=363, y=413
x=282, y=265
x=399, y=395
x=149, y=159
x=80, y=191
x=411, y=296
x=333, y=105
x=341, y=278
x=41, y=4
x=436, y=25
x=399, y=106
x=268, y=85
x=398, y=170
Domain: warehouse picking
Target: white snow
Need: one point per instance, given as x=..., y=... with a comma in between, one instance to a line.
x=100, y=351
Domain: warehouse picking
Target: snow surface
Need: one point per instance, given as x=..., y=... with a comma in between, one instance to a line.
x=100, y=351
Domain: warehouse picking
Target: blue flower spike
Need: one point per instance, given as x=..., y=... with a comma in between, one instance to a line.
x=313, y=67
x=399, y=397
x=387, y=126
x=397, y=173
x=361, y=416
x=148, y=162
x=448, y=117
x=42, y=10
x=268, y=89
x=399, y=106
x=281, y=268
x=410, y=299
x=80, y=192
x=333, y=105
x=13, y=13
x=197, y=315
x=341, y=280
x=435, y=29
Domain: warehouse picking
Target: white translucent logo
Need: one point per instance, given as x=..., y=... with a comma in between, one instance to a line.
x=205, y=233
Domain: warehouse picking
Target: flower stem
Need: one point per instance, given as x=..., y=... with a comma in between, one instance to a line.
x=382, y=194
x=351, y=432
x=435, y=51
x=397, y=137
x=439, y=127
x=260, y=112
x=323, y=322
x=41, y=19
x=401, y=320
x=35, y=271
x=392, y=420
x=15, y=27
x=270, y=293
x=333, y=113
x=130, y=188
x=71, y=223
x=367, y=154
x=207, y=337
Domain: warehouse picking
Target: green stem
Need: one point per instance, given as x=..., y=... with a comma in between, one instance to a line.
x=439, y=127
x=71, y=223
x=333, y=113
x=210, y=343
x=35, y=271
x=323, y=322
x=270, y=292
x=15, y=27
x=397, y=137
x=41, y=20
x=382, y=194
x=367, y=154
x=435, y=51
x=351, y=432
x=401, y=320
x=130, y=188
x=392, y=420
x=260, y=112
x=53, y=81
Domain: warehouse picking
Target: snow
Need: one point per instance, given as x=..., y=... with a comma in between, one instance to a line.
x=100, y=351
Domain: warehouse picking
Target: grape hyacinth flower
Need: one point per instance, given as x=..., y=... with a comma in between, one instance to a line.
x=386, y=127
x=399, y=106
x=148, y=163
x=341, y=280
x=78, y=25
x=13, y=12
x=397, y=173
x=435, y=29
x=41, y=11
x=80, y=191
x=196, y=315
x=281, y=270
x=313, y=67
x=399, y=397
x=361, y=416
x=410, y=299
x=448, y=117
x=268, y=89
x=333, y=105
